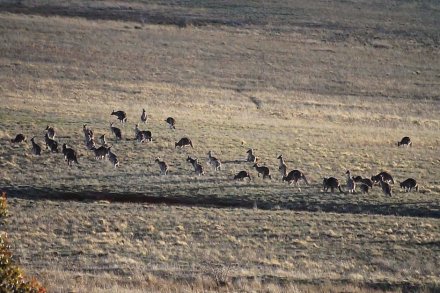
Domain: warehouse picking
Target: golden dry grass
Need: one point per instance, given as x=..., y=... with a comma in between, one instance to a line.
x=300, y=86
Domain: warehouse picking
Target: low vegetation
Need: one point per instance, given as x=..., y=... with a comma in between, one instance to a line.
x=329, y=95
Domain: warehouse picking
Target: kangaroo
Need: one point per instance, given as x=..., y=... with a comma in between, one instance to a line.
x=50, y=132
x=69, y=155
x=116, y=131
x=51, y=144
x=409, y=184
x=241, y=175
x=184, y=141
x=251, y=157
x=144, y=116
x=351, y=184
x=100, y=152
x=214, y=162
x=262, y=170
x=171, y=122
x=386, y=187
x=331, y=183
x=142, y=135
x=88, y=133
x=364, y=188
x=162, y=165
x=282, y=166
x=36, y=149
x=19, y=138
x=386, y=177
x=121, y=115
x=405, y=141
x=112, y=158
x=90, y=144
x=102, y=140
x=294, y=176
x=198, y=168
x=366, y=181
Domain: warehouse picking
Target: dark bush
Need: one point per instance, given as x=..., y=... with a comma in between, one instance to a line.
x=12, y=278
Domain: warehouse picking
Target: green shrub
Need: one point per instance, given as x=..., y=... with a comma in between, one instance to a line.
x=12, y=278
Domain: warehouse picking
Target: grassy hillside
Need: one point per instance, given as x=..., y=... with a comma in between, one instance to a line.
x=331, y=86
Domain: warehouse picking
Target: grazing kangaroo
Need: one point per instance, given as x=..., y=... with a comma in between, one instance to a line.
x=294, y=176
x=184, y=141
x=100, y=152
x=351, y=184
x=198, y=168
x=36, y=149
x=102, y=140
x=112, y=158
x=50, y=132
x=366, y=181
x=386, y=177
x=409, y=184
x=121, y=115
x=144, y=116
x=262, y=170
x=364, y=187
x=282, y=166
x=251, y=157
x=386, y=187
x=331, y=183
x=405, y=141
x=69, y=155
x=51, y=144
x=171, y=122
x=19, y=138
x=241, y=175
x=116, y=131
x=214, y=162
x=162, y=165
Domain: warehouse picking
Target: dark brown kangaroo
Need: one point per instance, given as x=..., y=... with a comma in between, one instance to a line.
x=366, y=181
x=36, y=149
x=405, y=141
x=241, y=175
x=409, y=184
x=184, y=141
x=69, y=155
x=331, y=183
x=122, y=116
x=19, y=138
x=386, y=177
x=51, y=144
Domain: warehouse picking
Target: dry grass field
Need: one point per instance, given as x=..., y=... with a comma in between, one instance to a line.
x=331, y=85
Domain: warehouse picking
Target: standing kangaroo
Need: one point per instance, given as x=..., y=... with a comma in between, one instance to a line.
x=144, y=116
x=116, y=131
x=51, y=144
x=386, y=187
x=162, y=165
x=198, y=168
x=282, y=166
x=351, y=184
x=214, y=162
x=36, y=148
x=69, y=155
x=50, y=132
x=251, y=157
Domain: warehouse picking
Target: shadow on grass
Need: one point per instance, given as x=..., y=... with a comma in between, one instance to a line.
x=228, y=198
